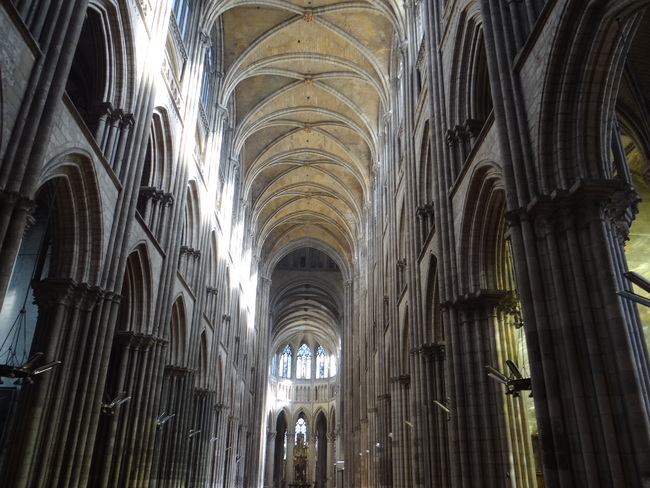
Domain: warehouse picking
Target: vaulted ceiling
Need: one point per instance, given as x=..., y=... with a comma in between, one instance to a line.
x=308, y=81
x=307, y=84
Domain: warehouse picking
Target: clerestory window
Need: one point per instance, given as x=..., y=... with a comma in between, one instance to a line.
x=303, y=363
x=321, y=363
x=285, y=363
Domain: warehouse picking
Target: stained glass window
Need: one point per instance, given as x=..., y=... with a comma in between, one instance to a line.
x=274, y=365
x=321, y=363
x=303, y=362
x=181, y=9
x=301, y=428
x=285, y=363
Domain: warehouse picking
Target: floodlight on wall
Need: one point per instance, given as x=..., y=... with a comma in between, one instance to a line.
x=513, y=385
x=639, y=281
x=193, y=432
x=109, y=408
x=25, y=372
x=163, y=419
x=443, y=408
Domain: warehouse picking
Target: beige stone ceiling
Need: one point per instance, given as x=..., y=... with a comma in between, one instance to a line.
x=310, y=82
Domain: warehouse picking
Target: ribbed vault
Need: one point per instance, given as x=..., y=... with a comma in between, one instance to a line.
x=307, y=83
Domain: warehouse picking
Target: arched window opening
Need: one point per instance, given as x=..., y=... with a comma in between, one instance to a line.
x=300, y=451
x=285, y=363
x=209, y=72
x=301, y=431
x=333, y=365
x=521, y=419
x=482, y=94
x=20, y=312
x=280, y=454
x=630, y=165
x=181, y=11
x=321, y=363
x=274, y=365
x=87, y=77
x=303, y=363
x=321, y=451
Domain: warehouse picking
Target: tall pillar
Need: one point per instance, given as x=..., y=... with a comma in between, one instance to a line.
x=291, y=440
x=331, y=467
x=21, y=166
x=588, y=359
x=270, y=457
x=311, y=456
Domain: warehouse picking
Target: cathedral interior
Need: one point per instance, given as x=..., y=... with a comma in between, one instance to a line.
x=324, y=243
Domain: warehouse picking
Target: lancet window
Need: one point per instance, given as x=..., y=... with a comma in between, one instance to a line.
x=285, y=363
x=303, y=363
x=321, y=363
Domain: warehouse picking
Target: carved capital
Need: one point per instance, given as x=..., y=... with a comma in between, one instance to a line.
x=137, y=341
x=404, y=380
x=432, y=351
x=451, y=137
x=66, y=292
x=176, y=371
x=480, y=300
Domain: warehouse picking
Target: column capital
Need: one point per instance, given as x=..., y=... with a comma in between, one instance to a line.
x=481, y=299
x=66, y=292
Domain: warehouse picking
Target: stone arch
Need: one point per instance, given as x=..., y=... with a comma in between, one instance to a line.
x=427, y=177
x=131, y=350
x=281, y=429
x=321, y=429
x=157, y=171
x=219, y=382
x=471, y=91
x=178, y=334
x=100, y=77
x=470, y=88
x=431, y=305
x=482, y=208
x=488, y=287
x=203, y=361
x=405, y=340
x=156, y=186
x=192, y=216
x=304, y=413
x=190, y=236
x=76, y=217
x=135, y=307
x=586, y=56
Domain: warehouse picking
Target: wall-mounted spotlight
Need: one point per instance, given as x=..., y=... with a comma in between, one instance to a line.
x=26, y=371
x=443, y=408
x=639, y=281
x=163, y=419
x=109, y=408
x=513, y=385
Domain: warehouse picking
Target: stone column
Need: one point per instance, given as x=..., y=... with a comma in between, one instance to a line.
x=588, y=360
x=331, y=467
x=270, y=457
x=312, y=457
x=291, y=440
x=21, y=166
